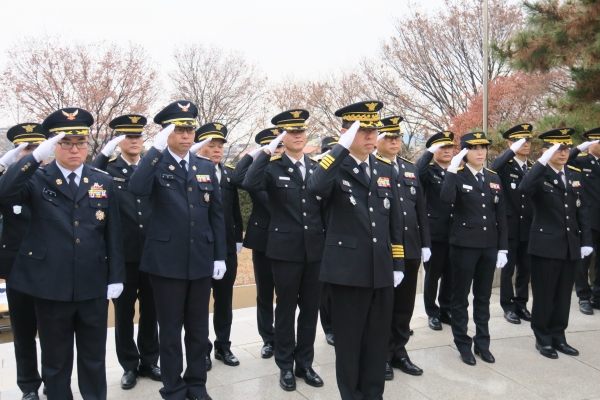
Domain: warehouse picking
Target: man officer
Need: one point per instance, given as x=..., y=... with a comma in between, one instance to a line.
x=560, y=237
x=511, y=166
x=364, y=255
x=432, y=167
x=589, y=296
x=416, y=241
x=223, y=289
x=16, y=218
x=295, y=246
x=71, y=258
x=256, y=240
x=184, y=247
x=141, y=359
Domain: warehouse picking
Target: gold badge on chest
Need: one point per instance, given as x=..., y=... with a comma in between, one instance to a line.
x=86, y=180
x=100, y=215
x=206, y=197
x=59, y=181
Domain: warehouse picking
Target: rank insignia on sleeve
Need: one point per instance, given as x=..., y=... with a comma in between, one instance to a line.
x=383, y=182
x=494, y=186
x=97, y=192
x=99, y=215
x=410, y=175
x=576, y=184
x=203, y=178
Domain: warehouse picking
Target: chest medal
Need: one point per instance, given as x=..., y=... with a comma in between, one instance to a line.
x=386, y=203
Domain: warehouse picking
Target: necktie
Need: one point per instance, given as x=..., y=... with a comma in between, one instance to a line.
x=182, y=163
x=72, y=184
x=560, y=175
x=298, y=165
x=480, y=180
x=133, y=167
x=396, y=170
x=525, y=167
x=364, y=166
x=217, y=174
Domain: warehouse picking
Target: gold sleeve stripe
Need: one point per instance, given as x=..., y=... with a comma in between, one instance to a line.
x=397, y=251
x=327, y=161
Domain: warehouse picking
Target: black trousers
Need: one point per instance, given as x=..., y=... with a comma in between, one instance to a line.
x=438, y=267
x=474, y=267
x=325, y=309
x=136, y=287
x=182, y=303
x=59, y=322
x=517, y=257
x=24, y=327
x=584, y=290
x=296, y=285
x=404, y=305
x=222, y=291
x=552, y=284
x=265, y=294
x=362, y=318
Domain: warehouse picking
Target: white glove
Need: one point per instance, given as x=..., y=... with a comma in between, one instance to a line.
x=219, y=270
x=255, y=152
x=501, y=260
x=432, y=149
x=381, y=136
x=275, y=142
x=11, y=156
x=547, y=155
x=238, y=248
x=425, y=254
x=586, y=145
x=160, y=140
x=348, y=137
x=398, y=276
x=586, y=251
x=112, y=145
x=46, y=148
x=194, y=149
x=517, y=145
x=114, y=290
x=319, y=156
x=456, y=160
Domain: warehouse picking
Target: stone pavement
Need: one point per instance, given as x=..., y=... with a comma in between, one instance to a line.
x=519, y=372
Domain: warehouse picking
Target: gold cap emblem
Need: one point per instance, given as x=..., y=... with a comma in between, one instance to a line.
x=564, y=131
x=70, y=116
x=296, y=114
x=446, y=134
x=525, y=127
x=371, y=106
x=478, y=135
x=134, y=120
x=218, y=127
x=275, y=131
x=184, y=108
x=395, y=120
x=29, y=128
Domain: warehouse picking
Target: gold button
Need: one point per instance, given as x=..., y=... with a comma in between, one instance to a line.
x=374, y=240
x=339, y=243
x=141, y=226
x=76, y=206
x=76, y=223
x=191, y=206
x=192, y=241
x=139, y=213
x=371, y=209
x=138, y=200
x=77, y=240
x=99, y=204
x=373, y=223
x=192, y=224
x=30, y=253
x=189, y=189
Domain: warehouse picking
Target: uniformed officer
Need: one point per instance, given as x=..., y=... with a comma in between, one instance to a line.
x=364, y=255
x=295, y=245
x=511, y=166
x=585, y=157
x=71, y=258
x=16, y=218
x=478, y=242
x=135, y=211
x=417, y=243
x=432, y=168
x=234, y=230
x=560, y=237
x=256, y=240
x=184, y=247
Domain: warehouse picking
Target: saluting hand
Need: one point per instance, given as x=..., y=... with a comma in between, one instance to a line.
x=46, y=148
x=160, y=140
x=274, y=143
x=11, y=155
x=586, y=145
x=319, y=156
x=255, y=152
x=348, y=137
x=456, y=160
x=547, y=155
x=517, y=145
x=194, y=149
x=112, y=145
x=432, y=149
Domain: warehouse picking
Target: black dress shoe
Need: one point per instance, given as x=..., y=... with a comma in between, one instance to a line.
x=329, y=338
x=267, y=350
x=468, y=358
x=595, y=304
x=585, y=306
x=523, y=314
x=128, y=380
x=30, y=396
x=310, y=376
x=287, y=380
x=485, y=356
x=45, y=391
x=208, y=363
x=405, y=365
x=546, y=351
x=445, y=317
x=150, y=371
x=511, y=317
x=566, y=349
x=389, y=372
x=435, y=324
x=227, y=357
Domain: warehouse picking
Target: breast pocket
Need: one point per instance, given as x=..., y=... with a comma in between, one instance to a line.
x=49, y=207
x=206, y=193
x=99, y=211
x=166, y=191
x=385, y=200
x=285, y=190
x=411, y=186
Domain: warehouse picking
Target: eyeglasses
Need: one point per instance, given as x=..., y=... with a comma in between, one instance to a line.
x=392, y=138
x=184, y=129
x=69, y=145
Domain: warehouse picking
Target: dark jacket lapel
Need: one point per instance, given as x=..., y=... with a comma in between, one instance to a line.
x=472, y=180
x=173, y=165
x=290, y=168
x=58, y=180
x=86, y=182
x=355, y=171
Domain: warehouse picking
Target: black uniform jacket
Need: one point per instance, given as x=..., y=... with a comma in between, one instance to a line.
x=560, y=224
x=440, y=214
x=296, y=232
x=16, y=218
x=257, y=229
x=479, y=214
x=590, y=170
x=414, y=209
x=187, y=230
x=73, y=248
x=519, y=211
x=135, y=211
x=234, y=226
x=364, y=221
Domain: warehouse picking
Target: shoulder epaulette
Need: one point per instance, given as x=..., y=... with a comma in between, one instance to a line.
x=582, y=155
x=511, y=160
x=99, y=170
x=573, y=168
x=229, y=166
x=408, y=161
x=489, y=170
x=460, y=168
x=203, y=158
x=112, y=159
x=385, y=160
x=277, y=157
x=313, y=159
x=432, y=163
x=531, y=162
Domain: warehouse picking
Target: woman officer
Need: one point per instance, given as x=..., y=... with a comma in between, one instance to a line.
x=478, y=241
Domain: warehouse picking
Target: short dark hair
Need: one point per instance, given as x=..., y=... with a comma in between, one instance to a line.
x=346, y=124
x=547, y=145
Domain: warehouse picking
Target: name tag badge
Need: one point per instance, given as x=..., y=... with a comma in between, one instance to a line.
x=119, y=179
x=514, y=176
x=284, y=178
x=468, y=187
x=49, y=192
x=167, y=176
